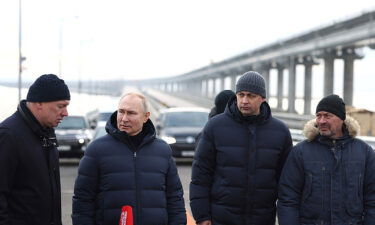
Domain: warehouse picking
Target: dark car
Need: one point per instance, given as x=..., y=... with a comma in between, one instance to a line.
x=179, y=127
x=99, y=130
x=73, y=134
x=97, y=116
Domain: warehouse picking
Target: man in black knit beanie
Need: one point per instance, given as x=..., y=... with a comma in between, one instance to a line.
x=329, y=178
x=30, y=190
x=238, y=160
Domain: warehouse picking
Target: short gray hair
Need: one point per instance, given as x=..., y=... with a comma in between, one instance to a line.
x=139, y=95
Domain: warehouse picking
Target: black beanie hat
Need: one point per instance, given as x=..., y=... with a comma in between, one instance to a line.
x=48, y=88
x=252, y=82
x=222, y=99
x=333, y=104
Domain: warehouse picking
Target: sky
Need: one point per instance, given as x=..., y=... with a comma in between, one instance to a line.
x=90, y=39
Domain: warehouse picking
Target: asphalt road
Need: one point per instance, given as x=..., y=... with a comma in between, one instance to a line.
x=68, y=173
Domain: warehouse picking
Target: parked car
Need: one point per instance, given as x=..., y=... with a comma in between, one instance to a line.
x=100, y=130
x=179, y=127
x=73, y=134
x=98, y=116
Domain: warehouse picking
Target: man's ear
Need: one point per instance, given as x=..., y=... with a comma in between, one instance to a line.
x=147, y=115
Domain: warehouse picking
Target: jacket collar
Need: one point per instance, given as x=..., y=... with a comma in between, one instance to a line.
x=233, y=111
x=111, y=128
x=47, y=135
x=311, y=131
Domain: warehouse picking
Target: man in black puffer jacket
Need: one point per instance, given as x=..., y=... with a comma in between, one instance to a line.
x=30, y=190
x=128, y=166
x=239, y=159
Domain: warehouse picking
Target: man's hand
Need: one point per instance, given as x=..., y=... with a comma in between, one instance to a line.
x=206, y=222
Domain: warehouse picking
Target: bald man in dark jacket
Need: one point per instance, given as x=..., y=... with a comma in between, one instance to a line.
x=29, y=163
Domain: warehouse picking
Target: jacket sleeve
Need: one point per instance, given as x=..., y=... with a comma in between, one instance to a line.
x=369, y=188
x=290, y=189
x=202, y=177
x=175, y=197
x=85, y=191
x=8, y=166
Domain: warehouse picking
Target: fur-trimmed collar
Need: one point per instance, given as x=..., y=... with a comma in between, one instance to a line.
x=311, y=131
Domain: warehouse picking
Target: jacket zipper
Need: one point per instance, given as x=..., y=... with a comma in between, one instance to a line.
x=137, y=206
x=137, y=194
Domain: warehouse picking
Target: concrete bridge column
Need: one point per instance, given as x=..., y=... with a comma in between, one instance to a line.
x=204, y=86
x=349, y=55
x=170, y=87
x=199, y=87
x=266, y=75
x=221, y=87
x=329, y=63
x=213, y=92
x=173, y=87
x=196, y=84
x=203, y=90
x=178, y=87
x=308, y=62
x=207, y=88
x=265, y=72
x=280, y=86
x=233, y=82
x=193, y=87
x=308, y=90
x=189, y=85
x=292, y=86
x=185, y=86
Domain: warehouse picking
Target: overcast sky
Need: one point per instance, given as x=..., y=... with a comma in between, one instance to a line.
x=91, y=39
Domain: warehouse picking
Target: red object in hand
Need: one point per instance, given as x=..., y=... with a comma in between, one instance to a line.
x=126, y=217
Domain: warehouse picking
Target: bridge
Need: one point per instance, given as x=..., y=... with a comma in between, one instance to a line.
x=342, y=40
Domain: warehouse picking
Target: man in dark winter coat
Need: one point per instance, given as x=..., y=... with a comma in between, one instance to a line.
x=29, y=166
x=329, y=179
x=221, y=101
x=239, y=159
x=128, y=166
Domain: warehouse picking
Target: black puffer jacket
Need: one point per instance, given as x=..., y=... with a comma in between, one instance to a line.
x=111, y=174
x=328, y=182
x=29, y=172
x=236, y=168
